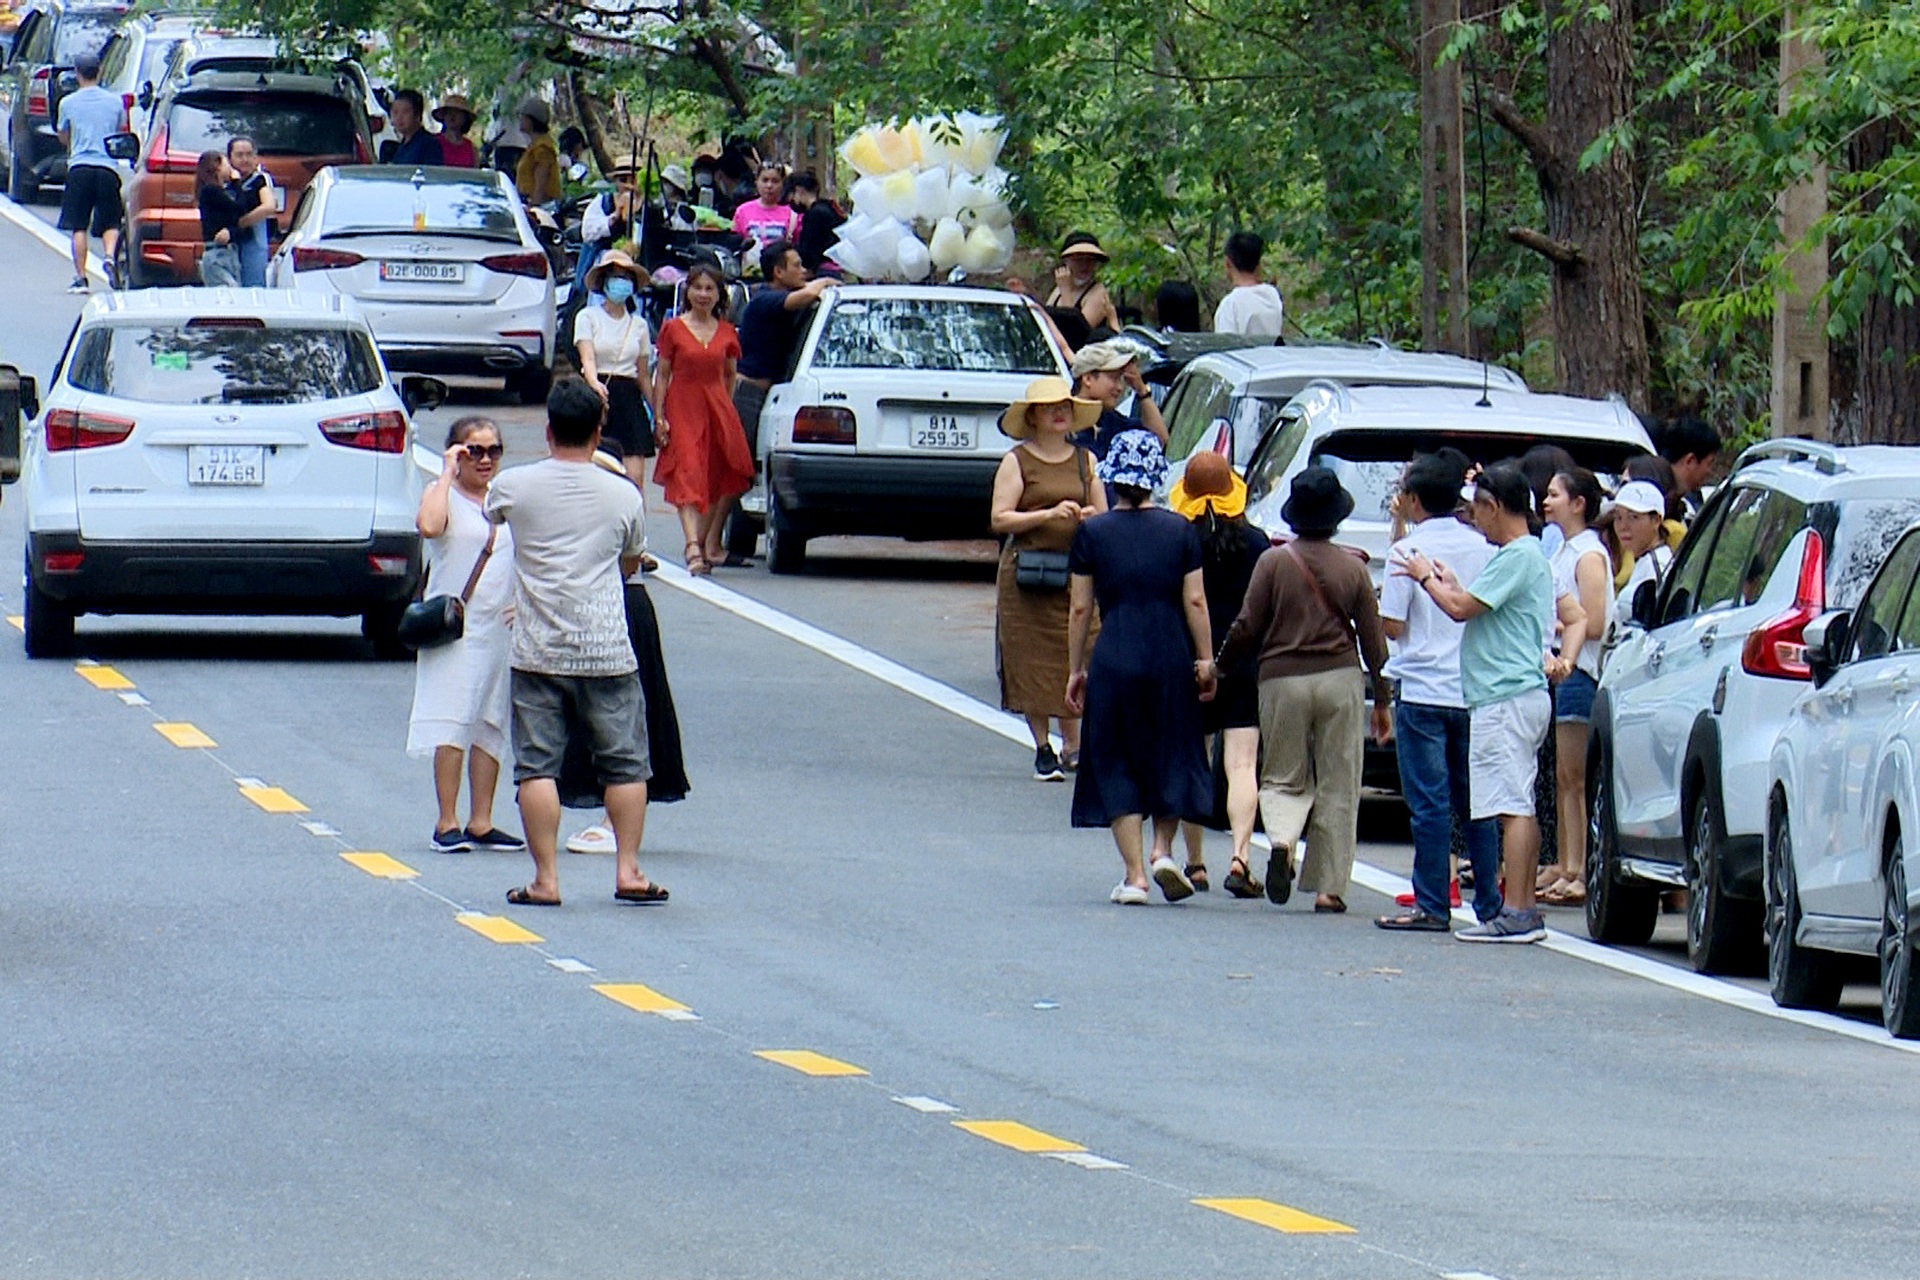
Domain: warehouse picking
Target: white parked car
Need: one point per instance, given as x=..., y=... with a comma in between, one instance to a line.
x=443, y=262
x=890, y=422
x=1843, y=790
x=221, y=451
x=1698, y=688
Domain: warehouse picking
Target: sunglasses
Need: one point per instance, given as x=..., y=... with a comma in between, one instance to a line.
x=489, y=452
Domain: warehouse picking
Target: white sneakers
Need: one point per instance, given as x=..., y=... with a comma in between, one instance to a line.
x=1128, y=895
x=1172, y=880
x=594, y=839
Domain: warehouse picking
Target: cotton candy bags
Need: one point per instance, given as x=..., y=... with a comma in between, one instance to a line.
x=929, y=198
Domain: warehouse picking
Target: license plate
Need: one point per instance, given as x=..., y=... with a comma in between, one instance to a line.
x=226, y=464
x=943, y=431
x=424, y=272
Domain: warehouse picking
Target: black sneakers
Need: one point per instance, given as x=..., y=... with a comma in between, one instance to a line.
x=495, y=839
x=1046, y=766
x=451, y=842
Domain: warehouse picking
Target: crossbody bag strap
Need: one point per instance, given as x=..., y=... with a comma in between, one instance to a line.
x=486, y=554
x=1313, y=582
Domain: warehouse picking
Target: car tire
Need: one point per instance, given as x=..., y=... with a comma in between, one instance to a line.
x=21, y=185
x=743, y=534
x=1899, y=966
x=786, y=545
x=48, y=625
x=381, y=627
x=1618, y=913
x=1724, y=933
x=531, y=385
x=1797, y=978
x=123, y=263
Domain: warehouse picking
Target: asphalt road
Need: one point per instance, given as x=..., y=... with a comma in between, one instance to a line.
x=231, y=1049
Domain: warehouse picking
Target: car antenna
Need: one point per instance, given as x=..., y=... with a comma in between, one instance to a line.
x=1486, y=381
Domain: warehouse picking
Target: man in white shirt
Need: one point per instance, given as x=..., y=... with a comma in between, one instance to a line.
x=1251, y=306
x=1431, y=723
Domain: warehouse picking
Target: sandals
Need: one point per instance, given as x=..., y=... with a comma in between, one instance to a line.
x=1414, y=920
x=1330, y=904
x=1549, y=875
x=523, y=897
x=652, y=893
x=1239, y=883
x=1197, y=876
x=649, y=563
x=1565, y=893
x=697, y=561
x=730, y=561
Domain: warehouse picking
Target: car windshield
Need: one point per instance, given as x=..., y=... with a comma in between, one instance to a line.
x=197, y=363
x=298, y=125
x=1369, y=463
x=389, y=201
x=936, y=334
x=1868, y=528
x=84, y=33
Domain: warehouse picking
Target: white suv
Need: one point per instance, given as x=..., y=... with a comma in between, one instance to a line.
x=1842, y=792
x=228, y=451
x=1696, y=691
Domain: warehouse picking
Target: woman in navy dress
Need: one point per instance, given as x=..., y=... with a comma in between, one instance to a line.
x=1141, y=754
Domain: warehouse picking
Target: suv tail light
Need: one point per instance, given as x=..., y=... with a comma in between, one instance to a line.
x=161, y=160
x=67, y=430
x=1777, y=648
x=306, y=259
x=37, y=92
x=817, y=425
x=382, y=432
x=531, y=265
x=361, y=154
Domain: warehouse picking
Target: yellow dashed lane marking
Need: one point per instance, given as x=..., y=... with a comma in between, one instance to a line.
x=807, y=1062
x=17, y=622
x=1278, y=1217
x=640, y=999
x=273, y=799
x=379, y=864
x=496, y=928
x=103, y=677
x=182, y=734
x=1011, y=1133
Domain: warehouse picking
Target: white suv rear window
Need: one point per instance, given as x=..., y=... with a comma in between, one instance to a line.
x=933, y=334
x=215, y=363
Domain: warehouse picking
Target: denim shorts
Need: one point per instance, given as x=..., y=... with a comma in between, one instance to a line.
x=1573, y=697
x=607, y=712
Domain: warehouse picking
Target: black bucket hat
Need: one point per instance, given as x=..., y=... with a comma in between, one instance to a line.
x=1318, y=502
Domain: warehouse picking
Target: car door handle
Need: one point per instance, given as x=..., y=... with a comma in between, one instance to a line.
x=1656, y=652
x=1844, y=696
x=1900, y=686
x=1707, y=641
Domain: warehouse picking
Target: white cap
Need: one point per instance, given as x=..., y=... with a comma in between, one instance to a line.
x=1643, y=496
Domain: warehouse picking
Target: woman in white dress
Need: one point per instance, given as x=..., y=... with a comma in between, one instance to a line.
x=461, y=701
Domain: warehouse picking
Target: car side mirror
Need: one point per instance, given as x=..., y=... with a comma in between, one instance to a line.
x=383, y=96
x=145, y=97
x=1826, y=641
x=418, y=393
x=18, y=401
x=1646, y=601
x=123, y=146
x=29, y=398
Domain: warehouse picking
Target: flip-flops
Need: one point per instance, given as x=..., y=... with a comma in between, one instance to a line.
x=1333, y=906
x=653, y=893
x=523, y=897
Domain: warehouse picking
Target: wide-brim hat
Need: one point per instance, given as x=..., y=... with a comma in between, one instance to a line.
x=1042, y=391
x=1083, y=246
x=614, y=260
x=454, y=102
x=536, y=110
x=677, y=175
x=1318, y=502
x=1220, y=489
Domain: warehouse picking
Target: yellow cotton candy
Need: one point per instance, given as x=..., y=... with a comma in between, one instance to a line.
x=862, y=151
x=948, y=245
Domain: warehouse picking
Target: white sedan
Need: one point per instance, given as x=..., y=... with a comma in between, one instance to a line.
x=443, y=262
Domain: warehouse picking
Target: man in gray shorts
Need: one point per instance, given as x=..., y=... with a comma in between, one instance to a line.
x=578, y=532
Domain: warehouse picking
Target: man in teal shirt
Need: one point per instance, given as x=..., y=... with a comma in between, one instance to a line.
x=1509, y=612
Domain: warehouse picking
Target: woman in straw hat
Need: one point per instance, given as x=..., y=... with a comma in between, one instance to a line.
x=1140, y=686
x=1043, y=491
x=455, y=115
x=1077, y=289
x=1215, y=500
x=614, y=348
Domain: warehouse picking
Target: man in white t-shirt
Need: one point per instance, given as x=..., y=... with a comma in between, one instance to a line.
x=1431, y=723
x=1251, y=306
x=578, y=532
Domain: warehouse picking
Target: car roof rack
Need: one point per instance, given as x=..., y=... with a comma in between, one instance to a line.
x=1825, y=458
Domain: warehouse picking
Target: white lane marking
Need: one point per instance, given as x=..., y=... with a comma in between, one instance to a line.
x=678, y=1015
x=56, y=240
x=1466, y=1275
x=567, y=964
x=249, y=783
x=134, y=699
x=1014, y=729
x=1084, y=1159
x=929, y=1106
x=322, y=829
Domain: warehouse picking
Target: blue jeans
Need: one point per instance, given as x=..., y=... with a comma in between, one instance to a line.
x=253, y=256
x=1431, y=743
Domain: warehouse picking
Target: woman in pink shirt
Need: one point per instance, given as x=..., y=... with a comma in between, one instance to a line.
x=765, y=220
x=455, y=115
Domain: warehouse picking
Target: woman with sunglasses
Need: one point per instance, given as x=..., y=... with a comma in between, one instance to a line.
x=461, y=700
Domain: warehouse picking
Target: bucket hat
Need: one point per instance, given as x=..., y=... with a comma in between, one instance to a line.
x=536, y=110
x=1317, y=503
x=1047, y=391
x=1134, y=458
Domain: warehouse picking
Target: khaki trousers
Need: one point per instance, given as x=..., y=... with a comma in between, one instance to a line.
x=1312, y=740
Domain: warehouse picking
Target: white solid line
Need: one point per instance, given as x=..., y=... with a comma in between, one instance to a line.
x=1014, y=729
x=54, y=239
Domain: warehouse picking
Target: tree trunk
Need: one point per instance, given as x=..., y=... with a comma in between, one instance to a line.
x=1443, y=188
x=1886, y=408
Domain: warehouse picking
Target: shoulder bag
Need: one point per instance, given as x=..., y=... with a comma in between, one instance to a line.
x=1035, y=569
x=440, y=620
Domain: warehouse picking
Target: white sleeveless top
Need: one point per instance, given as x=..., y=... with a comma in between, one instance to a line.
x=1565, y=558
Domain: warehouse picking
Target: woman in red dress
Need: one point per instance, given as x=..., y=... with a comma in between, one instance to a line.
x=704, y=463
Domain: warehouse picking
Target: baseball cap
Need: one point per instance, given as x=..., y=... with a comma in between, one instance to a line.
x=1642, y=496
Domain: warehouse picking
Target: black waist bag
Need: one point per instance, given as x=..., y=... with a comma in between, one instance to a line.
x=440, y=620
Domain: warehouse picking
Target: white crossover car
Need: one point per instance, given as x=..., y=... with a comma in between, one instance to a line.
x=443, y=262
x=221, y=451
x=889, y=424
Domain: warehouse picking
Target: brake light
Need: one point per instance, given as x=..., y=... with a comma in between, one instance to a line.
x=1777, y=648
x=62, y=561
x=382, y=432
x=67, y=430
x=531, y=265
x=226, y=322
x=37, y=92
x=161, y=160
x=307, y=259
x=127, y=100
x=818, y=425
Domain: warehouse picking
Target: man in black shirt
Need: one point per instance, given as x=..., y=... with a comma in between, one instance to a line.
x=819, y=219
x=770, y=329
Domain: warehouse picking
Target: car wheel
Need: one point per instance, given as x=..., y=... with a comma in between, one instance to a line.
x=786, y=545
x=123, y=266
x=1797, y=977
x=1723, y=933
x=1618, y=912
x=20, y=182
x=531, y=385
x=48, y=625
x=743, y=533
x=381, y=627
x=1899, y=1000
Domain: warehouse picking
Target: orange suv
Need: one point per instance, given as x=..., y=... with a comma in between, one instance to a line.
x=299, y=124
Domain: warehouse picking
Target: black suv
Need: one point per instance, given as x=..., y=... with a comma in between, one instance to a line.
x=38, y=73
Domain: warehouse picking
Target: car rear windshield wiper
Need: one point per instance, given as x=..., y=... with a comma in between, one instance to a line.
x=248, y=394
x=452, y=233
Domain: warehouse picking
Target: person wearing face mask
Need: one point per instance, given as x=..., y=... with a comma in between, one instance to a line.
x=615, y=349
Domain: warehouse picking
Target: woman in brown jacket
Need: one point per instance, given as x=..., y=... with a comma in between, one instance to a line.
x=1310, y=616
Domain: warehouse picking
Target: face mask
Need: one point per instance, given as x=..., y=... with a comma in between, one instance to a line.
x=619, y=289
